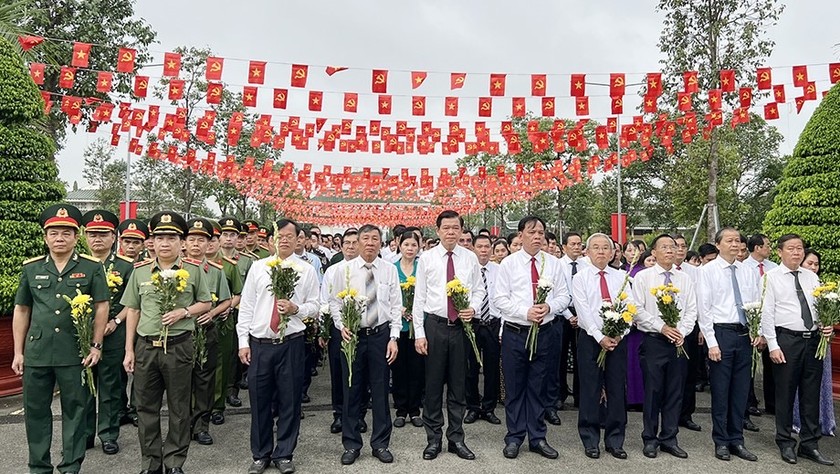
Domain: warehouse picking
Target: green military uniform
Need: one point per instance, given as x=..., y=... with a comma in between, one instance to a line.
x=51, y=348
x=157, y=370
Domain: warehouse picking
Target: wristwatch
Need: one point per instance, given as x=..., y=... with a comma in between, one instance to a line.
x=117, y=320
x=187, y=314
x=96, y=345
x=393, y=338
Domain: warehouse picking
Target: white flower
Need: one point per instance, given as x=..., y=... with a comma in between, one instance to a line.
x=325, y=309
x=169, y=274
x=606, y=305
x=545, y=284
x=752, y=306
x=612, y=315
x=833, y=296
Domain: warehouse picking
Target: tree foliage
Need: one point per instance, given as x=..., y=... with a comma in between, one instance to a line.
x=105, y=173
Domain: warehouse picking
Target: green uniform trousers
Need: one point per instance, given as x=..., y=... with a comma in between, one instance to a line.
x=38, y=385
x=204, y=382
x=228, y=350
x=154, y=373
x=110, y=390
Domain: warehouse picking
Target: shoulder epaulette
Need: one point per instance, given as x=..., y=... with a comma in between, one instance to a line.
x=34, y=259
x=126, y=259
x=191, y=261
x=214, y=264
x=229, y=260
x=89, y=257
x=142, y=263
x=249, y=254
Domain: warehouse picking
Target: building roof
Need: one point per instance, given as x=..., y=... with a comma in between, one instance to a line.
x=82, y=195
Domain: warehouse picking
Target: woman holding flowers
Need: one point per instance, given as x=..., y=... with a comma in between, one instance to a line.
x=529, y=293
x=407, y=370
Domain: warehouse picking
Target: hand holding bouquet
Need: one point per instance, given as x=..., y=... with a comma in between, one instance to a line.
x=407, y=289
x=460, y=299
x=82, y=314
x=169, y=284
x=284, y=276
x=666, y=302
x=827, y=302
x=353, y=306
x=544, y=287
x=617, y=318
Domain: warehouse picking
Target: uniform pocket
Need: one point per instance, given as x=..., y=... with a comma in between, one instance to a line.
x=34, y=334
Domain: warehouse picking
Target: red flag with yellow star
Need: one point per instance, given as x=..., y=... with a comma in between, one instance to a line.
x=256, y=72
x=171, y=64
x=497, y=85
x=103, y=81
x=577, y=86
x=384, y=105
x=771, y=111
x=417, y=78
x=654, y=84
x=176, y=89
x=779, y=93
x=36, y=72
x=800, y=76
x=581, y=106
x=81, y=54
x=715, y=99
x=249, y=96
x=450, y=106
x=316, y=99
x=649, y=104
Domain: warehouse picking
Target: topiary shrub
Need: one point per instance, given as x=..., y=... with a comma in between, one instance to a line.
x=28, y=174
x=808, y=199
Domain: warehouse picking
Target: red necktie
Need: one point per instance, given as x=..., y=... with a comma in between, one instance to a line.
x=678, y=268
x=534, y=277
x=275, y=317
x=761, y=269
x=605, y=290
x=450, y=275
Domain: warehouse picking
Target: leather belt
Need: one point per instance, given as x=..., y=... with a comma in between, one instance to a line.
x=442, y=320
x=275, y=340
x=363, y=332
x=731, y=326
x=526, y=327
x=156, y=341
x=802, y=334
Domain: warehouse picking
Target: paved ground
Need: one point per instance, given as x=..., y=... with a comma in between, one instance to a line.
x=319, y=451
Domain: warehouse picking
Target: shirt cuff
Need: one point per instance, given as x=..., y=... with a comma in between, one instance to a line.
x=711, y=342
x=243, y=342
x=772, y=343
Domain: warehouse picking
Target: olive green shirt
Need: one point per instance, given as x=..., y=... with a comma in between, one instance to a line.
x=231, y=270
x=243, y=263
x=117, y=266
x=141, y=294
x=260, y=252
x=216, y=282
x=51, y=340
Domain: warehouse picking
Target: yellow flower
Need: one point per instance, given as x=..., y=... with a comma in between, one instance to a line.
x=667, y=299
x=622, y=296
x=342, y=294
x=626, y=316
x=631, y=308
x=352, y=292
x=114, y=280
x=213, y=297
x=182, y=274
x=653, y=291
x=409, y=282
x=274, y=262
x=80, y=299
x=155, y=278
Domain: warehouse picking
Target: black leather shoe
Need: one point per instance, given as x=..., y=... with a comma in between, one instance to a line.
x=286, y=466
x=543, y=448
x=349, y=456
x=471, y=416
x=305, y=398
x=258, y=466
x=617, y=453
x=383, y=455
x=699, y=387
x=491, y=418
x=461, y=449
x=417, y=421
x=363, y=426
x=90, y=442
x=335, y=427
x=128, y=419
x=511, y=450
x=750, y=426
x=152, y=471
x=815, y=455
x=649, y=450
x=754, y=411
x=593, y=453
x=691, y=425
x=110, y=447
x=233, y=401
x=431, y=451
x=789, y=455
x=175, y=470
x=217, y=418
x=722, y=453
x=675, y=451
x=399, y=422
x=742, y=452
x=552, y=417
x=203, y=438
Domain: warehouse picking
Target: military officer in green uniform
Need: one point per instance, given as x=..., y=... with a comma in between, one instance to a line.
x=46, y=347
x=160, y=362
x=203, y=376
x=252, y=243
x=100, y=228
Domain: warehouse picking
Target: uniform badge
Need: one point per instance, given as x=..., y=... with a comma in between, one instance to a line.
x=78, y=275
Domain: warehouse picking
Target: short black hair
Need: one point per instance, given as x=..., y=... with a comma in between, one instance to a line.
x=348, y=233
x=283, y=223
x=510, y=237
x=571, y=234
x=448, y=214
x=708, y=249
x=482, y=236
x=719, y=234
x=677, y=236
x=660, y=237
x=370, y=228
x=810, y=251
x=755, y=240
x=549, y=236
x=501, y=242
x=484, y=230
x=691, y=254
x=305, y=231
x=787, y=238
x=523, y=223
x=398, y=229
x=406, y=235
x=743, y=238
x=467, y=231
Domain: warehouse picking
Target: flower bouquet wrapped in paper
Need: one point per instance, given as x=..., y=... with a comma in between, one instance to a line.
x=460, y=295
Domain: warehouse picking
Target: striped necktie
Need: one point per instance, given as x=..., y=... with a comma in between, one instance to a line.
x=371, y=316
x=485, y=303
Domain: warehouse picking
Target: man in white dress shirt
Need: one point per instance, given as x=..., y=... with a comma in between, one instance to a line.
x=376, y=346
x=439, y=332
x=691, y=344
x=663, y=370
x=525, y=375
x=790, y=323
x=275, y=369
x=760, y=249
x=486, y=326
x=724, y=285
x=593, y=285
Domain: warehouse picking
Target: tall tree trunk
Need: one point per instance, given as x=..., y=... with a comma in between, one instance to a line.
x=711, y=197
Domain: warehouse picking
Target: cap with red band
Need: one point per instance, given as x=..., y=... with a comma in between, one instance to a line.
x=61, y=215
x=100, y=220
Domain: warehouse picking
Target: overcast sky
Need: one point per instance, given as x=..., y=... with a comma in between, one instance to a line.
x=481, y=37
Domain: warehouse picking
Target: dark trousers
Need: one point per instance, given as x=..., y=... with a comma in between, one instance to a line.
x=310, y=361
x=110, y=390
x=663, y=374
x=689, y=394
x=408, y=374
x=487, y=340
x=730, y=383
x=554, y=373
x=614, y=381
x=38, y=386
x=525, y=383
x=334, y=356
x=769, y=382
x=802, y=372
x=204, y=381
x=570, y=338
x=370, y=370
x=445, y=364
x=156, y=372
x=275, y=373
x=228, y=355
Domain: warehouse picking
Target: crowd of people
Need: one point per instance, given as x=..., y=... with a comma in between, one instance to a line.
x=194, y=309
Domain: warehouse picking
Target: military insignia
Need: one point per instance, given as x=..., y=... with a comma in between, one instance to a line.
x=197, y=225
x=228, y=222
x=42, y=277
x=98, y=218
x=166, y=219
x=132, y=226
x=61, y=212
x=78, y=275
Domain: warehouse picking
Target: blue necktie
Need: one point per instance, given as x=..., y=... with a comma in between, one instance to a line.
x=739, y=303
x=667, y=278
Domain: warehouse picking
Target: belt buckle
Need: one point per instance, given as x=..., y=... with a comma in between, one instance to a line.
x=367, y=331
x=276, y=341
x=807, y=335
x=157, y=343
x=451, y=323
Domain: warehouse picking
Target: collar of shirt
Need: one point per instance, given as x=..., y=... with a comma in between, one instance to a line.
x=360, y=262
x=178, y=264
x=722, y=263
x=660, y=270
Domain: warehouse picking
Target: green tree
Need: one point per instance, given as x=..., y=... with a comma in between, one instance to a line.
x=808, y=199
x=105, y=173
x=28, y=174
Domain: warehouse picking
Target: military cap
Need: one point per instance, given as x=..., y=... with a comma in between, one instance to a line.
x=263, y=231
x=100, y=220
x=134, y=229
x=217, y=229
x=230, y=224
x=252, y=225
x=200, y=226
x=61, y=215
x=168, y=222
x=243, y=229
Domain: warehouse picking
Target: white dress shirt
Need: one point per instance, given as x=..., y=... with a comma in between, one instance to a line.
x=492, y=274
x=430, y=289
x=690, y=270
x=716, y=300
x=566, y=265
x=648, y=317
x=388, y=293
x=781, y=305
x=753, y=263
x=257, y=302
x=586, y=293
x=327, y=282
x=514, y=294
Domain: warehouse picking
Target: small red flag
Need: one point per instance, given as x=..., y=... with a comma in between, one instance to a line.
x=451, y=107
x=497, y=85
x=764, y=78
x=214, y=92
x=249, y=96
x=617, y=105
x=417, y=78
x=811, y=91
x=727, y=80
x=379, y=81
x=176, y=89
x=418, y=105
x=715, y=99
x=213, y=71
x=654, y=84
x=103, y=81
x=36, y=72
x=334, y=69
x=280, y=98
x=779, y=93
x=316, y=99
x=548, y=107
x=351, y=102
x=684, y=101
x=800, y=76
x=650, y=104
x=299, y=75
x=517, y=107
x=81, y=54
x=771, y=111
x=616, y=85
x=171, y=64
x=581, y=106
x=538, y=85
x=834, y=72
x=141, y=86
x=66, y=77
x=800, y=101
x=28, y=42
x=256, y=72
x=485, y=106
x=690, y=82
x=578, y=85
x=125, y=60
x=384, y=105
x=745, y=95
x=456, y=80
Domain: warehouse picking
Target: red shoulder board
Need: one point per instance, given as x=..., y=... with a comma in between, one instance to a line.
x=192, y=261
x=229, y=260
x=142, y=263
x=214, y=264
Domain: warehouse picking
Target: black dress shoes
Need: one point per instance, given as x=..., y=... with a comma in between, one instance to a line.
x=617, y=453
x=363, y=427
x=233, y=401
x=175, y=470
x=675, y=451
x=349, y=456
x=815, y=455
x=383, y=455
x=471, y=416
x=110, y=447
x=743, y=453
x=399, y=422
x=152, y=471
x=511, y=451
x=258, y=466
x=203, y=438
x=543, y=448
x=335, y=427
x=286, y=466
x=552, y=417
x=649, y=450
x=491, y=418
x=431, y=451
x=788, y=455
x=217, y=418
x=305, y=398
x=722, y=453
x=754, y=411
x=593, y=453
x=691, y=425
x=461, y=449
x=416, y=421
x=750, y=426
